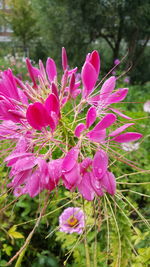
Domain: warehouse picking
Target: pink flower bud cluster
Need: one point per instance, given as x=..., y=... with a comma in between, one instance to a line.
x=56, y=147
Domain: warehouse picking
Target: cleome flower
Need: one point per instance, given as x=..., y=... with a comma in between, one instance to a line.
x=130, y=146
x=146, y=106
x=96, y=179
x=116, y=61
x=62, y=130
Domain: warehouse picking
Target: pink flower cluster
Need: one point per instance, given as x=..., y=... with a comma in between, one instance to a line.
x=34, y=117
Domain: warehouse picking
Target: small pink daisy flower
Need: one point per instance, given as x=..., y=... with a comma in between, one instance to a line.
x=72, y=221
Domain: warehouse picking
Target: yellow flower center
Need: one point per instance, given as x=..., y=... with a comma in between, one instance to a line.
x=72, y=221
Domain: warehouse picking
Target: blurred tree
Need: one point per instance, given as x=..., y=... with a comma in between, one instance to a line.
x=137, y=28
x=61, y=23
x=80, y=24
x=22, y=21
x=141, y=72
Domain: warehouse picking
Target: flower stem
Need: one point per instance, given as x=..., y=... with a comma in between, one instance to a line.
x=20, y=258
x=95, y=241
x=88, y=264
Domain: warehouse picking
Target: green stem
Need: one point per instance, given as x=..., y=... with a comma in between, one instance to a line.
x=20, y=258
x=88, y=264
x=95, y=241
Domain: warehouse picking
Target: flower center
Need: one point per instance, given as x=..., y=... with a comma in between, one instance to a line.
x=72, y=221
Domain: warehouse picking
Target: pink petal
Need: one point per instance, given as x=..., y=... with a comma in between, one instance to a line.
x=70, y=159
x=85, y=164
x=5, y=105
x=94, y=100
x=36, y=72
x=33, y=72
x=43, y=169
x=23, y=97
x=89, y=77
x=53, y=120
x=51, y=69
x=50, y=185
x=5, y=114
x=64, y=101
x=20, y=178
x=77, y=84
x=117, y=96
x=79, y=129
x=23, y=164
x=120, y=114
x=42, y=69
x=97, y=136
x=88, y=57
x=94, y=59
x=72, y=178
x=107, y=121
x=64, y=59
x=100, y=164
x=10, y=83
x=17, y=113
x=54, y=89
x=72, y=83
x=52, y=104
x=34, y=186
x=85, y=187
x=72, y=71
x=76, y=93
x=96, y=184
x=108, y=183
x=66, y=90
x=15, y=156
x=37, y=116
x=20, y=83
x=127, y=137
x=18, y=191
x=91, y=116
x=64, y=79
x=9, y=130
x=55, y=170
x=108, y=87
x=23, y=145
x=54, y=174
x=121, y=129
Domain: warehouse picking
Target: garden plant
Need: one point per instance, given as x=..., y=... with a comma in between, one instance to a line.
x=70, y=164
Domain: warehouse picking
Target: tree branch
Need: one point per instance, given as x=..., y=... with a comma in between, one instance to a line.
x=107, y=40
x=141, y=52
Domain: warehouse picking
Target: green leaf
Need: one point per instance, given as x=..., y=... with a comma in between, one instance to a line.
x=13, y=233
x=17, y=235
x=7, y=249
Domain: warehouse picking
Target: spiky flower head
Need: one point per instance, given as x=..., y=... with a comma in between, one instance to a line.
x=61, y=130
